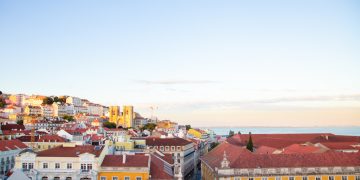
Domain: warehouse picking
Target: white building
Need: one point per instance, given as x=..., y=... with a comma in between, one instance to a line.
x=74, y=101
x=94, y=109
x=48, y=111
x=67, y=162
x=59, y=109
x=8, y=150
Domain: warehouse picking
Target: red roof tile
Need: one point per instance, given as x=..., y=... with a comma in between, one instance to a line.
x=61, y=151
x=153, y=141
x=137, y=160
x=6, y=145
x=299, y=149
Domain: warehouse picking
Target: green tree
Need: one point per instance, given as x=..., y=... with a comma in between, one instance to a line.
x=69, y=118
x=48, y=101
x=20, y=122
x=2, y=103
x=62, y=99
x=231, y=133
x=250, y=145
x=188, y=127
x=109, y=124
x=149, y=127
x=239, y=132
x=213, y=145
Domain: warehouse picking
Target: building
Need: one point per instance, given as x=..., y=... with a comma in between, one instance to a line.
x=128, y=116
x=181, y=149
x=70, y=162
x=18, y=99
x=59, y=109
x=114, y=114
x=94, y=109
x=9, y=149
x=74, y=101
x=125, y=166
x=33, y=110
x=48, y=111
x=34, y=100
x=43, y=142
x=229, y=161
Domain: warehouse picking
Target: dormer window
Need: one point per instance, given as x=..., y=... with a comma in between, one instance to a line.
x=167, y=148
x=161, y=148
x=172, y=148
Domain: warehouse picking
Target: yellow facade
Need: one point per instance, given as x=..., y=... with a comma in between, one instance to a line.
x=122, y=175
x=128, y=116
x=114, y=114
x=207, y=173
x=195, y=133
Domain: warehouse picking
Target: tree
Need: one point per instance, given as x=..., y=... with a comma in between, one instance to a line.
x=231, y=133
x=2, y=103
x=149, y=127
x=109, y=124
x=56, y=99
x=213, y=145
x=62, y=99
x=188, y=127
x=0, y=92
x=20, y=122
x=48, y=101
x=250, y=145
x=69, y=118
x=239, y=132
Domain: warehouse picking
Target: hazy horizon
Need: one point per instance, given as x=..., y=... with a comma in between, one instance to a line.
x=211, y=63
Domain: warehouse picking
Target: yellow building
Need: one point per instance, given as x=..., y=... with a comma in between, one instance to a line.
x=228, y=161
x=124, y=119
x=127, y=167
x=114, y=114
x=195, y=133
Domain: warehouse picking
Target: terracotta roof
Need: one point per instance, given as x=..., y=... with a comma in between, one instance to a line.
x=336, y=138
x=61, y=151
x=241, y=158
x=43, y=138
x=340, y=145
x=265, y=150
x=274, y=140
x=137, y=160
x=153, y=141
x=6, y=145
x=12, y=127
x=157, y=168
x=299, y=149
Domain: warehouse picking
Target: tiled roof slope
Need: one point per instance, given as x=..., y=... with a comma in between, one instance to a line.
x=7, y=145
x=241, y=158
x=62, y=151
x=137, y=160
x=153, y=141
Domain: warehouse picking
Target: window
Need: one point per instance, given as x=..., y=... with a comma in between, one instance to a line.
x=102, y=178
x=31, y=165
x=89, y=166
x=69, y=166
x=126, y=178
x=237, y=178
x=83, y=166
x=178, y=148
x=357, y=178
x=251, y=178
x=172, y=148
x=161, y=149
x=342, y=177
x=57, y=165
x=291, y=178
x=68, y=178
x=331, y=177
x=264, y=178
x=317, y=178
x=166, y=148
x=45, y=165
x=115, y=178
x=304, y=178
x=138, y=178
x=56, y=178
x=277, y=178
x=24, y=165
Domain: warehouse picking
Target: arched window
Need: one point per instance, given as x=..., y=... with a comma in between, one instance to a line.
x=68, y=178
x=44, y=178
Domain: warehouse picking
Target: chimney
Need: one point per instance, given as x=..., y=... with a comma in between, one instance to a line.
x=124, y=158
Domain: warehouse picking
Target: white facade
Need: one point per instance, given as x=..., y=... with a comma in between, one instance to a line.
x=48, y=111
x=74, y=101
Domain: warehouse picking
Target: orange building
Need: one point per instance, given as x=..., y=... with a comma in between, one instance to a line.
x=125, y=167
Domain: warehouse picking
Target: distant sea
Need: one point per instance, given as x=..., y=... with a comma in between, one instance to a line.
x=283, y=130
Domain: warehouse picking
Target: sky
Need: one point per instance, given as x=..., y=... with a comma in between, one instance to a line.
x=204, y=63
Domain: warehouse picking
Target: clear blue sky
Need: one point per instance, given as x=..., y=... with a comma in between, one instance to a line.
x=200, y=62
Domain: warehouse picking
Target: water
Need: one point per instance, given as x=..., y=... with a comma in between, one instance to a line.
x=283, y=130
